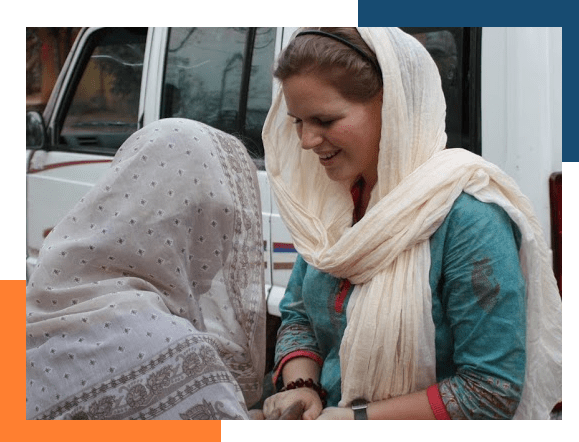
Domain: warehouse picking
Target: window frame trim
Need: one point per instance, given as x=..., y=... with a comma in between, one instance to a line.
x=71, y=79
x=68, y=88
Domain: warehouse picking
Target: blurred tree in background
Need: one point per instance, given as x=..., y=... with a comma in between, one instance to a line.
x=46, y=51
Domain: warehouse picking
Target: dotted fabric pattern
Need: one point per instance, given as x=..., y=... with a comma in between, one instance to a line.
x=164, y=250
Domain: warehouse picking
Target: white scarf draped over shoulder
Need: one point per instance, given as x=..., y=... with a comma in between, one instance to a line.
x=388, y=345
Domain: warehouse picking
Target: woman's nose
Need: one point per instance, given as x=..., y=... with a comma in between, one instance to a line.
x=310, y=137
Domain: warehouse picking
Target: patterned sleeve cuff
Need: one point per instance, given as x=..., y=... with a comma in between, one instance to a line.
x=436, y=403
x=292, y=355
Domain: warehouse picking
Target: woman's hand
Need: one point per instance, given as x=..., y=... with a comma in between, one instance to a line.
x=256, y=415
x=277, y=404
x=336, y=413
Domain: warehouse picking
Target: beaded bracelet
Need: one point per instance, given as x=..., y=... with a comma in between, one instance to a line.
x=309, y=383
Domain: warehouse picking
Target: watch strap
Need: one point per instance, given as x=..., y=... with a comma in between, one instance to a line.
x=360, y=408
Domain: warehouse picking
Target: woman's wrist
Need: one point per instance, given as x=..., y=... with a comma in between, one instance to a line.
x=299, y=367
x=308, y=383
x=409, y=406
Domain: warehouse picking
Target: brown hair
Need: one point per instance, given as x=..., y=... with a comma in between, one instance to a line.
x=351, y=74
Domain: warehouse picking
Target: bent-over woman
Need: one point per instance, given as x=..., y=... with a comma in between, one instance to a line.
x=147, y=302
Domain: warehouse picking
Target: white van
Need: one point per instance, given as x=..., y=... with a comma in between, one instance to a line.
x=503, y=88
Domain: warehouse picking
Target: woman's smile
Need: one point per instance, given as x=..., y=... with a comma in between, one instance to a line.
x=326, y=158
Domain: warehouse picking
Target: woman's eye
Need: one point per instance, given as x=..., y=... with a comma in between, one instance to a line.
x=324, y=122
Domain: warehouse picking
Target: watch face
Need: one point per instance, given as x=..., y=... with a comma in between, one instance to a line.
x=359, y=403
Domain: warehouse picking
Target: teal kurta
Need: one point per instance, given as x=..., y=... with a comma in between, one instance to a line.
x=478, y=308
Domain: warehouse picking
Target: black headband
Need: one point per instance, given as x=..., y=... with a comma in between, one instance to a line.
x=347, y=43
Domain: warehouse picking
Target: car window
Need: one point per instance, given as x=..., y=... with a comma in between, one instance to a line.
x=221, y=77
x=103, y=111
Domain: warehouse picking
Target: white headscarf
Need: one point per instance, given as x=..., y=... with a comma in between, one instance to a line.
x=388, y=345
x=148, y=298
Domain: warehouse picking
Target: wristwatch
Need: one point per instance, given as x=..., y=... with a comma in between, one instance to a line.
x=360, y=406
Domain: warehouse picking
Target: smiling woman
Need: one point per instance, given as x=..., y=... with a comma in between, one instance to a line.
x=417, y=264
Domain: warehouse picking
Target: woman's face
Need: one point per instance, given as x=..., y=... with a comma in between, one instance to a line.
x=344, y=134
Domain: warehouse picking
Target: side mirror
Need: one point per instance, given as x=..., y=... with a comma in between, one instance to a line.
x=35, y=131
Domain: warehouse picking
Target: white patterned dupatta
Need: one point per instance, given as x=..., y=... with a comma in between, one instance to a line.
x=148, y=299
x=388, y=345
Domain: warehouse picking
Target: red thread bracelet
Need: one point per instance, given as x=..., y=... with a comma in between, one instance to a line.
x=308, y=383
